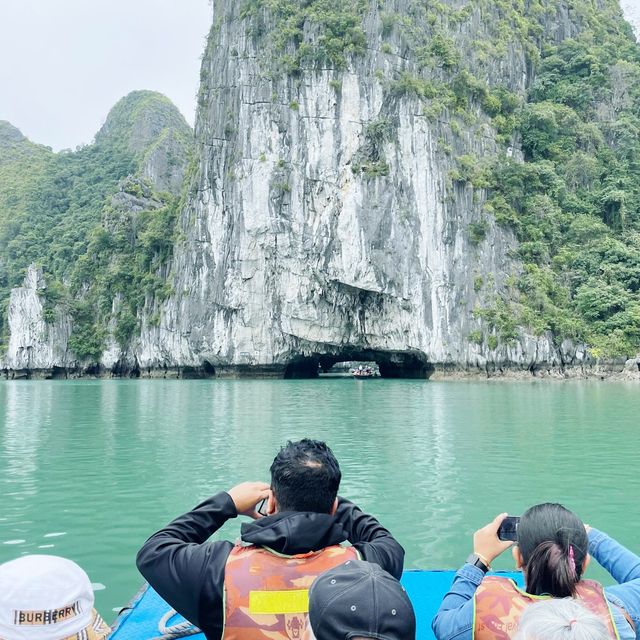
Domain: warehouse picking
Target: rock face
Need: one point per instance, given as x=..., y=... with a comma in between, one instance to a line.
x=9, y=135
x=323, y=223
x=35, y=345
x=164, y=163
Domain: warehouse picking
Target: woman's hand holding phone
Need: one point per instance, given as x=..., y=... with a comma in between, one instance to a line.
x=486, y=544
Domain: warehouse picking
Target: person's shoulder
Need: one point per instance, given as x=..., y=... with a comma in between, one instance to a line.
x=220, y=547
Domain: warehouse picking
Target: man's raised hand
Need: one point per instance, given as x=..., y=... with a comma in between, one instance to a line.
x=247, y=495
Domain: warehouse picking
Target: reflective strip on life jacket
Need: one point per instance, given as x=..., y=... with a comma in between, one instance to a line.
x=498, y=605
x=267, y=593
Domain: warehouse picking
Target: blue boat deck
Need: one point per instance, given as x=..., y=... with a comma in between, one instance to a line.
x=425, y=588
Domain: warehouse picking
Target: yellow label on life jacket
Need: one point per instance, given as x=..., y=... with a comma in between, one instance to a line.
x=275, y=602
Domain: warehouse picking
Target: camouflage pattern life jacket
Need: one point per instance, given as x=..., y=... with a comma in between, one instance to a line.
x=267, y=593
x=499, y=603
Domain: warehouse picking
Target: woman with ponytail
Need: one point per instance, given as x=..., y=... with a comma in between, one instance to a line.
x=553, y=550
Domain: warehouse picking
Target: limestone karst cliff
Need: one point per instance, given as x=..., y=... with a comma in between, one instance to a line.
x=326, y=220
x=400, y=181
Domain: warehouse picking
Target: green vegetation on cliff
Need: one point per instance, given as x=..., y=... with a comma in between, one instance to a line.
x=335, y=26
x=575, y=202
x=100, y=235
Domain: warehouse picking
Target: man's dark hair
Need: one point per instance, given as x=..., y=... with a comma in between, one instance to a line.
x=305, y=476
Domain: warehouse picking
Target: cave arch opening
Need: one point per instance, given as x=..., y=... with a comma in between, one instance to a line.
x=205, y=370
x=389, y=364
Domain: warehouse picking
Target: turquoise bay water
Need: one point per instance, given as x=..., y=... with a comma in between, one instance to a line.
x=89, y=469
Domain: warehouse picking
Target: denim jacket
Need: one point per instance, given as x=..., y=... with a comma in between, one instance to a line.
x=454, y=620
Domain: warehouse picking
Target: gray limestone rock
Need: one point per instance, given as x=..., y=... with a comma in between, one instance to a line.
x=323, y=223
x=35, y=344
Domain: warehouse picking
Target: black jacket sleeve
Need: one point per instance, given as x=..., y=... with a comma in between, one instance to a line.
x=184, y=570
x=370, y=538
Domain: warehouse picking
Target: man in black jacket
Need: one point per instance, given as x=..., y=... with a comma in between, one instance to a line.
x=224, y=588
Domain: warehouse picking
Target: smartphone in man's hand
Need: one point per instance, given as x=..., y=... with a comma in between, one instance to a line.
x=261, y=507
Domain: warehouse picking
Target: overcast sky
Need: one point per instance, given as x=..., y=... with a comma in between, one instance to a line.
x=65, y=63
x=631, y=10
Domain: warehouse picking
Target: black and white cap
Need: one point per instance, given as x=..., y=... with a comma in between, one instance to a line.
x=358, y=599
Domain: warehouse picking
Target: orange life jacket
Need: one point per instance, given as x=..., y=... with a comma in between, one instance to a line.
x=499, y=603
x=267, y=593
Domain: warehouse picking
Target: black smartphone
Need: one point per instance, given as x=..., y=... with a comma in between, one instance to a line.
x=261, y=507
x=508, y=530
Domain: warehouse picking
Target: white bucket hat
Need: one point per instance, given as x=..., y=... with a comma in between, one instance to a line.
x=47, y=598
